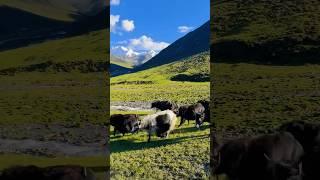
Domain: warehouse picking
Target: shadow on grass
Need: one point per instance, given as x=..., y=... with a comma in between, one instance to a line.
x=124, y=145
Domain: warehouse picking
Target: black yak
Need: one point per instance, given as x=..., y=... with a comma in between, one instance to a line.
x=308, y=134
x=165, y=105
x=162, y=123
x=70, y=172
x=192, y=112
x=268, y=157
x=125, y=123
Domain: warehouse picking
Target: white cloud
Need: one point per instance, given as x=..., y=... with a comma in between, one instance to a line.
x=184, y=29
x=114, y=19
x=115, y=2
x=128, y=25
x=145, y=43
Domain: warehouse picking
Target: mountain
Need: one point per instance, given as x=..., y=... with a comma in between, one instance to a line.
x=192, y=43
x=19, y=27
x=131, y=56
x=266, y=32
x=195, y=68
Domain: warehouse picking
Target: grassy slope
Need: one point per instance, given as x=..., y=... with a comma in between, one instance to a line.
x=255, y=98
x=85, y=47
x=54, y=97
x=119, y=62
x=58, y=10
x=155, y=83
x=260, y=21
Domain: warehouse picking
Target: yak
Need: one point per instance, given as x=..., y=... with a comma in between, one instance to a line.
x=268, y=157
x=308, y=134
x=162, y=123
x=70, y=172
x=193, y=112
x=125, y=123
x=165, y=105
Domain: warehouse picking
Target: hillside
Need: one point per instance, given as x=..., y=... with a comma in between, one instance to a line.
x=266, y=32
x=75, y=49
x=193, y=43
x=21, y=30
x=194, y=69
x=62, y=10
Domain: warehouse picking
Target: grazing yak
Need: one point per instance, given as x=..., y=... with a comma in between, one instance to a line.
x=192, y=112
x=162, y=123
x=268, y=157
x=165, y=105
x=125, y=123
x=67, y=172
x=308, y=134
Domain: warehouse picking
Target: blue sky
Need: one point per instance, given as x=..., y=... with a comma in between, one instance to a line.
x=142, y=28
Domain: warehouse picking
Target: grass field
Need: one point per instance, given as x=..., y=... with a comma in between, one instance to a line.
x=256, y=98
x=157, y=83
x=185, y=155
x=53, y=97
x=34, y=104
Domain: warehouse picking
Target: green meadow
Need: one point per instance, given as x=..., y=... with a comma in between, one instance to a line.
x=185, y=154
x=254, y=99
x=50, y=98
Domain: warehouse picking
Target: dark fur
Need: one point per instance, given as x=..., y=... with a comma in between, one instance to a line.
x=206, y=105
x=192, y=112
x=165, y=105
x=308, y=134
x=125, y=123
x=269, y=157
x=67, y=172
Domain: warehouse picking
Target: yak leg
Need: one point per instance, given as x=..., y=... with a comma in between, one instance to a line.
x=181, y=121
x=149, y=136
x=114, y=131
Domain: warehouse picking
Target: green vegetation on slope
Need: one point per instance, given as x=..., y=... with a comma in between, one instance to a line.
x=267, y=32
x=197, y=64
x=90, y=46
x=36, y=97
x=58, y=10
x=160, y=83
x=255, y=98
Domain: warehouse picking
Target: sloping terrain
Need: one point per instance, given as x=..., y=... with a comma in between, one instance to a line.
x=266, y=32
x=63, y=10
x=184, y=70
x=20, y=27
x=193, y=43
x=88, y=47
